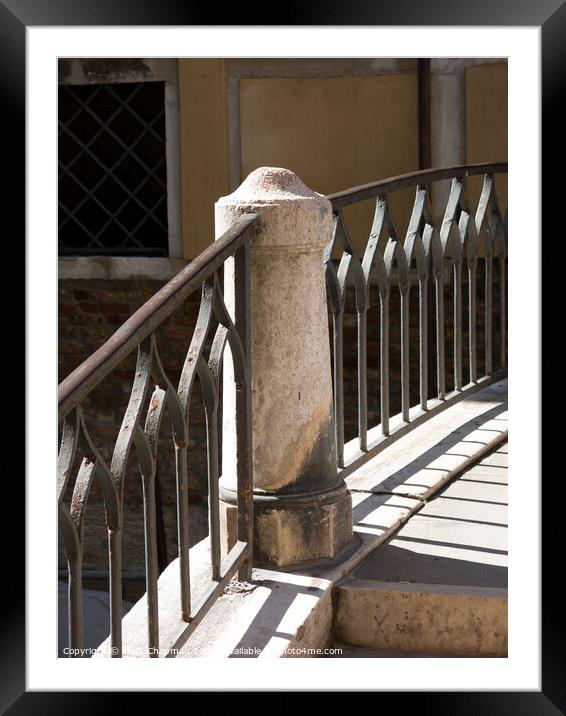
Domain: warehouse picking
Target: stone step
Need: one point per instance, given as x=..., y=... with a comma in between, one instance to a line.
x=426, y=619
x=439, y=585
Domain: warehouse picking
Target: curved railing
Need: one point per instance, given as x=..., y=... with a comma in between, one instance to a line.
x=153, y=395
x=431, y=250
x=443, y=259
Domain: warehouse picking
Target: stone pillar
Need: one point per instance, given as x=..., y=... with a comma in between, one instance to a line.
x=302, y=509
x=448, y=123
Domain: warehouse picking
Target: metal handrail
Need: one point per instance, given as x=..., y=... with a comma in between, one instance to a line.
x=433, y=245
x=362, y=192
x=78, y=384
x=234, y=331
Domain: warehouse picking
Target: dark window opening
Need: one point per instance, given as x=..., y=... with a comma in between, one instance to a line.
x=112, y=170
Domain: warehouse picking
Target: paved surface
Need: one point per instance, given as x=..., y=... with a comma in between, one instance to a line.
x=442, y=575
x=458, y=538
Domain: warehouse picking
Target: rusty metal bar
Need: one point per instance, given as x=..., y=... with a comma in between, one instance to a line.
x=404, y=181
x=458, y=325
x=115, y=568
x=423, y=341
x=242, y=312
x=338, y=366
x=472, y=321
x=183, y=529
x=152, y=572
x=488, y=315
x=384, y=360
x=362, y=378
x=337, y=281
x=138, y=332
x=75, y=597
x=440, y=356
x=429, y=250
x=405, y=397
x=89, y=374
x=146, y=444
x=213, y=491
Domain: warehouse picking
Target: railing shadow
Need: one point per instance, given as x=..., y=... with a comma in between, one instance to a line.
x=399, y=478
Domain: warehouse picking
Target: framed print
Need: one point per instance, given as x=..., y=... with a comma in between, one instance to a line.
x=75, y=92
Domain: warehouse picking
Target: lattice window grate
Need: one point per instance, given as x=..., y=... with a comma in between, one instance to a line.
x=112, y=170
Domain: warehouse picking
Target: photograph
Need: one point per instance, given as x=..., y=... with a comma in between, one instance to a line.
x=282, y=355
x=275, y=336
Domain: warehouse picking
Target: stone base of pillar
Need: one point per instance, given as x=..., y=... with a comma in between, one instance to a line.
x=289, y=529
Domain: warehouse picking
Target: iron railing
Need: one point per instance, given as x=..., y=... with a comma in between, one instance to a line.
x=138, y=333
x=430, y=250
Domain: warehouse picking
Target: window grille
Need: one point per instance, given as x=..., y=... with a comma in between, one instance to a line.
x=112, y=170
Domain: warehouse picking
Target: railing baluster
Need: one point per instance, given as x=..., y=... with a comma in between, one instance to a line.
x=115, y=566
x=423, y=341
x=151, y=570
x=362, y=379
x=405, y=395
x=384, y=359
x=488, y=314
x=338, y=342
x=338, y=284
x=419, y=232
x=440, y=359
x=145, y=441
x=73, y=548
x=243, y=408
x=458, y=325
x=213, y=489
x=182, y=484
x=75, y=596
x=485, y=227
x=472, y=321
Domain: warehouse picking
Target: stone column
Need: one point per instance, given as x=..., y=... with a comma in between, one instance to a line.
x=448, y=119
x=302, y=509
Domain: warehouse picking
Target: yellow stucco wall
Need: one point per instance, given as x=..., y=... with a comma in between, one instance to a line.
x=334, y=133
x=204, y=148
x=486, y=122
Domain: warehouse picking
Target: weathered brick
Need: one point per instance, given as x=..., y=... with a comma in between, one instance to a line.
x=72, y=345
x=66, y=308
x=89, y=307
x=115, y=307
x=175, y=332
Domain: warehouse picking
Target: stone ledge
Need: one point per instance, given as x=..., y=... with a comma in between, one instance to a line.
x=114, y=268
x=468, y=621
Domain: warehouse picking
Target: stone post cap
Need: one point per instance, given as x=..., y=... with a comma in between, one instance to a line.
x=292, y=216
x=272, y=185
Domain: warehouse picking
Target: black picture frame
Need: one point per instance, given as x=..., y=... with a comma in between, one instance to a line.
x=15, y=17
